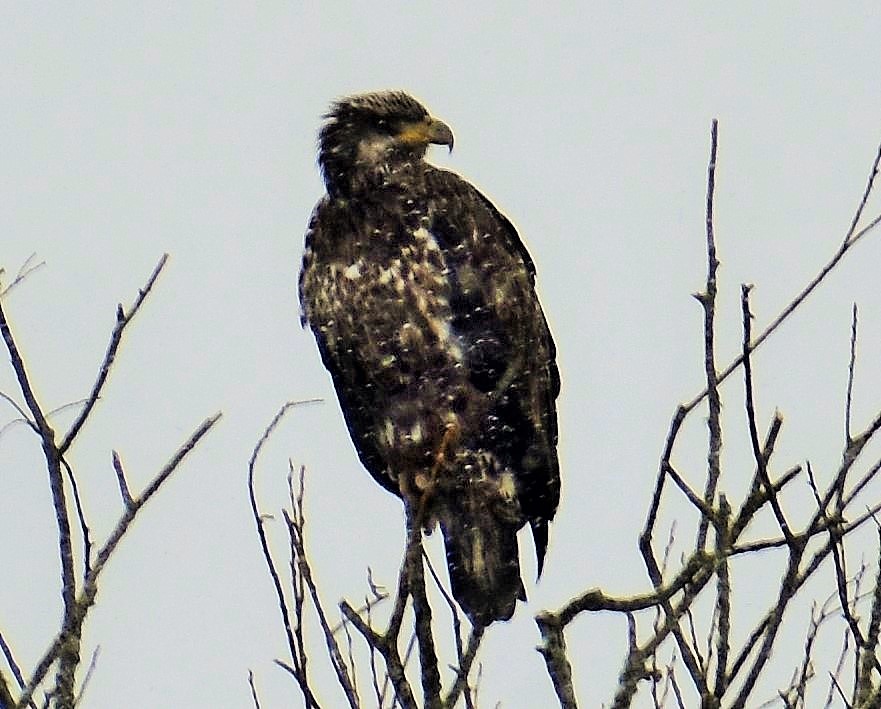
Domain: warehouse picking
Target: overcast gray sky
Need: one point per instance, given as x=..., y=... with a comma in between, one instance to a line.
x=127, y=131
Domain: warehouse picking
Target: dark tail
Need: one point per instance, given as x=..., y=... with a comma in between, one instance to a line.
x=482, y=556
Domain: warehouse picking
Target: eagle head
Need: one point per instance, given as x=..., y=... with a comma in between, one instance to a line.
x=368, y=134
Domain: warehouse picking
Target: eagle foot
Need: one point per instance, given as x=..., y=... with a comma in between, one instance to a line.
x=426, y=483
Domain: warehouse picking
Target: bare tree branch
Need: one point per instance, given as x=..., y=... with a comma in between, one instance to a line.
x=850, y=371
x=122, y=320
x=869, y=647
x=5, y=695
x=69, y=658
x=121, y=481
x=81, y=515
x=24, y=417
x=253, y=689
x=553, y=650
x=69, y=638
x=431, y=684
x=723, y=598
x=89, y=672
x=707, y=299
x=761, y=461
x=259, y=520
x=460, y=686
x=27, y=268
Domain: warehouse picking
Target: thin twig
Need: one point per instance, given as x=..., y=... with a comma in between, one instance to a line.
x=761, y=462
x=24, y=383
x=460, y=686
x=24, y=417
x=852, y=452
x=253, y=689
x=706, y=511
x=648, y=529
x=122, y=320
x=374, y=670
x=758, y=495
x=352, y=667
x=839, y=559
x=26, y=420
x=259, y=520
x=296, y=523
x=27, y=268
x=121, y=481
x=870, y=183
x=89, y=672
x=10, y=660
x=680, y=701
x=634, y=666
x=690, y=656
x=869, y=476
x=333, y=647
x=368, y=604
x=850, y=370
x=457, y=637
x=81, y=515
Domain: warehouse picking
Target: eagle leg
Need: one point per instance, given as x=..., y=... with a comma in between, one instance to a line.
x=427, y=483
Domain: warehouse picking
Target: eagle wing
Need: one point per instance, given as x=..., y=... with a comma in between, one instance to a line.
x=512, y=355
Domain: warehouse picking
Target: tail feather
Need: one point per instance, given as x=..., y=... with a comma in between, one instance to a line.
x=479, y=515
x=540, y=537
x=484, y=567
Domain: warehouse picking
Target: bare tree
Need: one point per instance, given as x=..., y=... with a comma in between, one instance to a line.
x=79, y=587
x=667, y=630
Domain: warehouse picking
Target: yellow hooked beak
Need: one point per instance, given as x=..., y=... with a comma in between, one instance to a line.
x=428, y=131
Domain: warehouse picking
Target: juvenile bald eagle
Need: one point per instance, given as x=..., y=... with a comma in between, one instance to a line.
x=422, y=300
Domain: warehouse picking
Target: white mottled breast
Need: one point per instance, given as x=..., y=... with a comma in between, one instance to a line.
x=395, y=305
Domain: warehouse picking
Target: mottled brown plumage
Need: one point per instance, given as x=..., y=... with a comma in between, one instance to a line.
x=422, y=300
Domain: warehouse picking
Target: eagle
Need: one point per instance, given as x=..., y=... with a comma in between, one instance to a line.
x=422, y=300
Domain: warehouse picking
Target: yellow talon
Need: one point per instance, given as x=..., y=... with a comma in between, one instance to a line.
x=426, y=483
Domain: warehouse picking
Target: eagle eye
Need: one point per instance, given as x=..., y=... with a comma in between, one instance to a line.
x=386, y=126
